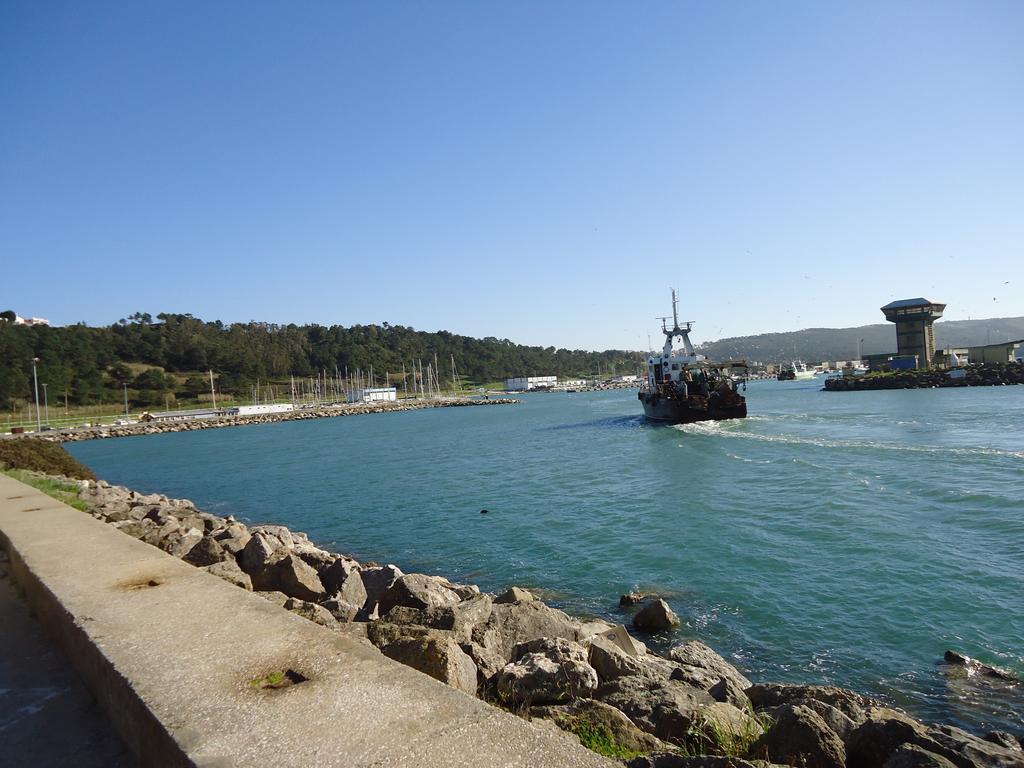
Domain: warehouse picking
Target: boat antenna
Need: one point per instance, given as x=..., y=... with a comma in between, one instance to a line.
x=675, y=313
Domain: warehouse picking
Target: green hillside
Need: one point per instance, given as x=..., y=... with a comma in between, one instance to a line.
x=819, y=344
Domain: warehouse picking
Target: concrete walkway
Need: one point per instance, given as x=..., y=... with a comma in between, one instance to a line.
x=47, y=717
x=176, y=657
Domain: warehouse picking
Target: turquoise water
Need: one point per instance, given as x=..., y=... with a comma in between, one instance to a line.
x=847, y=538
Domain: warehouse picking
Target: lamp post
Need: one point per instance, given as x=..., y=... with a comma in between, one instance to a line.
x=46, y=404
x=125, y=385
x=35, y=381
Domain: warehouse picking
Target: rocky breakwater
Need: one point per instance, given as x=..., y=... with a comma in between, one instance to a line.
x=590, y=678
x=304, y=414
x=981, y=375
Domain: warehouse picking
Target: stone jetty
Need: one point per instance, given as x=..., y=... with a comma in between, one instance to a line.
x=589, y=678
x=981, y=375
x=302, y=414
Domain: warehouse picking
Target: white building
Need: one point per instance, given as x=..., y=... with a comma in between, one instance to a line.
x=253, y=410
x=526, y=383
x=19, y=320
x=373, y=394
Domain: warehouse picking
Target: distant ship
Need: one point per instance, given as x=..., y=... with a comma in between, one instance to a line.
x=683, y=387
x=796, y=370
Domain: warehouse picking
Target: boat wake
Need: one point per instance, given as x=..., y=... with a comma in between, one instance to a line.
x=736, y=430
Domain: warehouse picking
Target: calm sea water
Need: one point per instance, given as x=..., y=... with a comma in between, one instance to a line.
x=847, y=538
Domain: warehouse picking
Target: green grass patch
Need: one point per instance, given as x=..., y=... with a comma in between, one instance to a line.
x=62, y=490
x=597, y=738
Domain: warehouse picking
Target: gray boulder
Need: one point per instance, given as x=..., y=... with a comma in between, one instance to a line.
x=676, y=760
x=884, y=731
x=230, y=572
x=911, y=756
x=514, y=595
x=376, y=581
x=416, y=590
x=307, y=610
x=181, y=542
x=548, y=671
x=696, y=655
x=206, y=552
x=655, y=616
x=432, y=651
x=342, y=611
x=262, y=548
x=233, y=538
x=513, y=623
x=853, y=705
x=974, y=667
x=611, y=662
x=666, y=709
x=460, y=618
x=600, y=716
x=798, y=736
x=295, y=578
x=342, y=580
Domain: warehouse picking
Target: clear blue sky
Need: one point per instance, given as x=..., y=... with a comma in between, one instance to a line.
x=542, y=172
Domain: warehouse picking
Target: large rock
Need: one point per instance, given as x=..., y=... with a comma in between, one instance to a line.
x=611, y=662
x=699, y=656
x=666, y=709
x=599, y=716
x=459, y=618
x=515, y=623
x=342, y=611
x=514, y=595
x=973, y=667
x=416, y=590
x=910, y=756
x=655, y=617
x=262, y=549
x=233, y=538
x=376, y=581
x=884, y=731
x=181, y=542
x=342, y=580
x=432, y=651
x=307, y=610
x=676, y=760
x=231, y=573
x=853, y=705
x=293, y=576
x=798, y=736
x=550, y=670
x=206, y=552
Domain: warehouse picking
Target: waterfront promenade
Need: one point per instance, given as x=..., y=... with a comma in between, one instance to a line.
x=176, y=656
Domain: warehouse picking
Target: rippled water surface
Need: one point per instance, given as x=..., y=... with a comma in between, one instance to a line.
x=840, y=537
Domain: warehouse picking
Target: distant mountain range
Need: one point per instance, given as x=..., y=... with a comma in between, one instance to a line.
x=820, y=344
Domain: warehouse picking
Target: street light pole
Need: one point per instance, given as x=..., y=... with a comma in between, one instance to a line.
x=35, y=381
x=46, y=404
x=125, y=384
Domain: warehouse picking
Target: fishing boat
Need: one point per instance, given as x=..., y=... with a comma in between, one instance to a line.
x=683, y=387
x=798, y=371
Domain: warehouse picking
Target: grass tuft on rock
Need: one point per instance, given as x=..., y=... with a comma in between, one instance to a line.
x=42, y=456
x=597, y=738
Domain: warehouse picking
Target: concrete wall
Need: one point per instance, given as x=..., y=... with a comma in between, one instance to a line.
x=171, y=653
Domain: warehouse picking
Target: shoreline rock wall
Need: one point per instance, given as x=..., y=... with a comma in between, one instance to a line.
x=980, y=375
x=519, y=653
x=304, y=414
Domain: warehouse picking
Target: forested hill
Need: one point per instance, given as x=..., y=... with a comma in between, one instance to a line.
x=89, y=363
x=818, y=344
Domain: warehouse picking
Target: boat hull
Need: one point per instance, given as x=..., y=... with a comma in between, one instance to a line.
x=670, y=410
